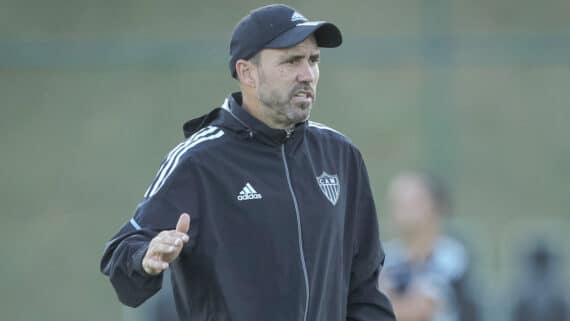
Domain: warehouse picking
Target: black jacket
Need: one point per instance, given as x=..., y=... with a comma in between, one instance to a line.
x=283, y=225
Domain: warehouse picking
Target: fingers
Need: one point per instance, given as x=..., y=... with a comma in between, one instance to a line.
x=172, y=238
x=153, y=266
x=164, y=250
x=166, y=246
x=159, y=255
x=183, y=225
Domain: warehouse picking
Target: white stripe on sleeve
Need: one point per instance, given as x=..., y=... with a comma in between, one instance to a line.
x=135, y=224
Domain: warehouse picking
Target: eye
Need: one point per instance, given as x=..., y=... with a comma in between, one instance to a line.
x=315, y=59
x=294, y=60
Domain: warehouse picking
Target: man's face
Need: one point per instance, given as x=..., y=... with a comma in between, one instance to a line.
x=287, y=81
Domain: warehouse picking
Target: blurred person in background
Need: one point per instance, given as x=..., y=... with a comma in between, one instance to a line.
x=425, y=270
x=540, y=294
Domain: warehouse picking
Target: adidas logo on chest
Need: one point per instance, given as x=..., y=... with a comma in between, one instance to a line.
x=248, y=193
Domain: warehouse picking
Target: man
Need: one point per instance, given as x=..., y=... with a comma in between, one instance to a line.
x=278, y=218
x=425, y=273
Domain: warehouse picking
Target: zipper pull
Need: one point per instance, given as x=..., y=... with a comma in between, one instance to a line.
x=288, y=132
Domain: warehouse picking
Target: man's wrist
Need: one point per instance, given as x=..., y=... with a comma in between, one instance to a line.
x=137, y=260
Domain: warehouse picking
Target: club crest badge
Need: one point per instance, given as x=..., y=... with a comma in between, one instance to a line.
x=330, y=186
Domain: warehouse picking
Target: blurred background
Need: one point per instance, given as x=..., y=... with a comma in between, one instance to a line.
x=94, y=93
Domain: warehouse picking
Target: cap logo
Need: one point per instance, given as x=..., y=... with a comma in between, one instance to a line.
x=297, y=17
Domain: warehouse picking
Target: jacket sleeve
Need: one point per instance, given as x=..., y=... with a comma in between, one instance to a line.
x=365, y=301
x=171, y=194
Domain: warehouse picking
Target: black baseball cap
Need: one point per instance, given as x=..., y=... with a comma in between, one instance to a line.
x=277, y=26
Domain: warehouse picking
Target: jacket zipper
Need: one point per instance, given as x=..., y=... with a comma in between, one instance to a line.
x=303, y=264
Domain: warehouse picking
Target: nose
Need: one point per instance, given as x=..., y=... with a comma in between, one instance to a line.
x=307, y=72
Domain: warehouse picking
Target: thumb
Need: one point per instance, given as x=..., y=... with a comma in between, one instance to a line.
x=183, y=224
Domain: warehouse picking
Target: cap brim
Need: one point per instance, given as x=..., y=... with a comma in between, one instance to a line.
x=326, y=34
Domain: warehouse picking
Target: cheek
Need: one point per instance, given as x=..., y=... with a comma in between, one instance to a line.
x=282, y=71
x=284, y=79
x=316, y=72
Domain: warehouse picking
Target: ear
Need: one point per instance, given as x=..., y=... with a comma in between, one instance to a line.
x=246, y=73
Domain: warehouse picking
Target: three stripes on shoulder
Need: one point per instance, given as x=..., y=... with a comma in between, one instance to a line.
x=173, y=158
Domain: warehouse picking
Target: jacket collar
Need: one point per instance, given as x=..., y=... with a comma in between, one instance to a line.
x=256, y=128
x=234, y=117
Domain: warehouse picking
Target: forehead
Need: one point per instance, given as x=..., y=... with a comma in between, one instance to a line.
x=408, y=188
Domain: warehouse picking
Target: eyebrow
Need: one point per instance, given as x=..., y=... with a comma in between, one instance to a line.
x=295, y=55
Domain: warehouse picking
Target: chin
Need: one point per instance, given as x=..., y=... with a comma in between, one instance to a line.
x=304, y=108
x=301, y=117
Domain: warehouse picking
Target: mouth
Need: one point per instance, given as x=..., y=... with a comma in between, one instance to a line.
x=304, y=95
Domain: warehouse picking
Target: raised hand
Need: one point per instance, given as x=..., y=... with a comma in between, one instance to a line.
x=166, y=246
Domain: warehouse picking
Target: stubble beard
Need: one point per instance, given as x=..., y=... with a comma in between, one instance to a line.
x=281, y=108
